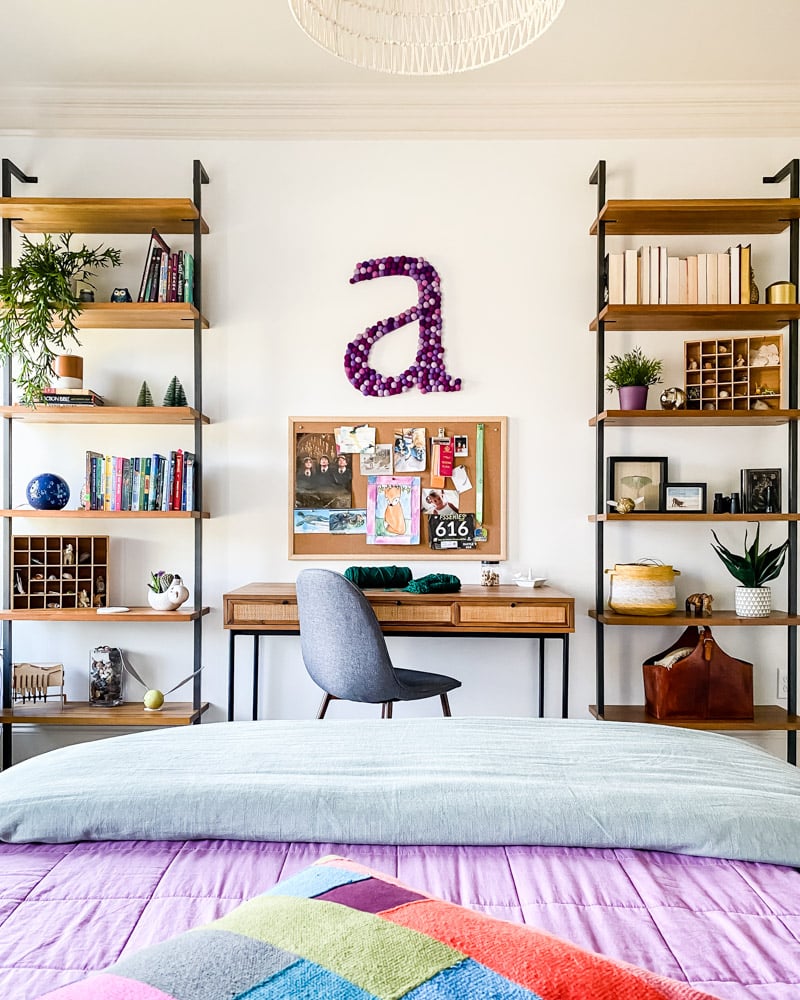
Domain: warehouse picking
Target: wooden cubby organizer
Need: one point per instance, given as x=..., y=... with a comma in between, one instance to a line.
x=55, y=572
x=723, y=332
x=23, y=598
x=734, y=373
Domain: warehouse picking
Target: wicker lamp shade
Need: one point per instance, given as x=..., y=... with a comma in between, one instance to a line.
x=424, y=37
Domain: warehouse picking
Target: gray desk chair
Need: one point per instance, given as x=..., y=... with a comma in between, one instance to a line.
x=344, y=650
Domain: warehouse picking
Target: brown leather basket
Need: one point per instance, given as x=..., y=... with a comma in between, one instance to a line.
x=706, y=684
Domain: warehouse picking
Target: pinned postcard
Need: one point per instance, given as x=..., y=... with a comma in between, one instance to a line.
x=348, y=522
x=352, y=440
x=377, y=461
x=393, y=510
x=440, y=501
x=410, y=450
x=461, y=480
x=311, y=522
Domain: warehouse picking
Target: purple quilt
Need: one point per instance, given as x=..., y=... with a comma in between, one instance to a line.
x=731, y=928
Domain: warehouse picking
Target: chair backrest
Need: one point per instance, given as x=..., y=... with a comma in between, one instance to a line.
x=342, y=644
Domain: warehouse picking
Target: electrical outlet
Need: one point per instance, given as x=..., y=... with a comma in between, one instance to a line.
x=783, y=682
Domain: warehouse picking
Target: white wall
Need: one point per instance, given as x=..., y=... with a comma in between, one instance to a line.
x=506, y=224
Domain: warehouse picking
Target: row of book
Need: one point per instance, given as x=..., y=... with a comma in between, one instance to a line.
x=167, y=276
x=146, y=483
x=649, y=276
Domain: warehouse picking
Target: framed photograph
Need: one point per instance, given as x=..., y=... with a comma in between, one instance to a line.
x=641, y=480
x=761, y=491
x=685, y=498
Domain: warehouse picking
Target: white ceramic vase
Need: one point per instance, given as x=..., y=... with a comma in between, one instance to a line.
x=752, y=602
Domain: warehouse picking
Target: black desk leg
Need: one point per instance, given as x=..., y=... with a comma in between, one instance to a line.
x=255, y=677
x=6, y=740
x=541, y=676
x=565, y=676
x=231, y=671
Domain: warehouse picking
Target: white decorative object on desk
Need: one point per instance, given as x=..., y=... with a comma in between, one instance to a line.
x=529, y=580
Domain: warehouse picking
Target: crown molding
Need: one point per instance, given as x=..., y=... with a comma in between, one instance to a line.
x=416, y=111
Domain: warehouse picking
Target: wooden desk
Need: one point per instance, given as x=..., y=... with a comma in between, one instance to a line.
x=487, y=612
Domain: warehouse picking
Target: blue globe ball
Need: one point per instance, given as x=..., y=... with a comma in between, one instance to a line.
x=47, y=491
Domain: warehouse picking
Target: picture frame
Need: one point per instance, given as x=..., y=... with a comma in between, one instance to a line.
x=641, y=479
x=761, y=491
x=685, y=498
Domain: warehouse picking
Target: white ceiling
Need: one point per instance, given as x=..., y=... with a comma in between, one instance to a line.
x=245, y=67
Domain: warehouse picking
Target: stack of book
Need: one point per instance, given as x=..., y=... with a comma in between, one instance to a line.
x=149, y=482
x=71, y=397
x=167, y=276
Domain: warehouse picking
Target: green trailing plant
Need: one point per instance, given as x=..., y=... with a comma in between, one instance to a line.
x=39, y=306
x=160, y=582
x=633, y=368
x=175, y=396
x=757, y=566
x=145, y=397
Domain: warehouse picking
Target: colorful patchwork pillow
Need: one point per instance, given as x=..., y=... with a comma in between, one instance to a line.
x=340, y=931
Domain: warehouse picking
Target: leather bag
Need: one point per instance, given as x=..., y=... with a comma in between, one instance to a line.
x=705, y=684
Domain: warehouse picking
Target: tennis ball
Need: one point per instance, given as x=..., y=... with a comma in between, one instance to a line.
x=153, y=699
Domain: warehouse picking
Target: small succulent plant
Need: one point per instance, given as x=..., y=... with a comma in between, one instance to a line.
x=160, y=582
x=756, y=567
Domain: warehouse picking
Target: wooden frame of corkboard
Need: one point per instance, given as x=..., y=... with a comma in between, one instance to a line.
x=319, y=545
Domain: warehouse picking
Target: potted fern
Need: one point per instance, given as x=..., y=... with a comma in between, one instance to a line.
x=755, y=568
x=632, y=373
x=39, y=306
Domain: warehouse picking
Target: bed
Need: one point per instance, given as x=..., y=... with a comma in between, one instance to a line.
x=673, y=850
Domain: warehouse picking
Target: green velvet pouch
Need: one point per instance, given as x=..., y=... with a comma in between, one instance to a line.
x=435, y=583
x=378, y=576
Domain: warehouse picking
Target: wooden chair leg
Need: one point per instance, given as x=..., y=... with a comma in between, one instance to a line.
x=323, y=708
x=445, y=705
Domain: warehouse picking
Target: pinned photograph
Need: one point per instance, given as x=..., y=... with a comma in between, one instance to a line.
x=311, y=522
x=393, y=510
x=440, y=501
x=348, y=522
x=460, y=445
x=377, y=461
x=321, y=480
x=410, y=450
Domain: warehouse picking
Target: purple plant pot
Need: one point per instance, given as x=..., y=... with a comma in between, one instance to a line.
x=633, y=397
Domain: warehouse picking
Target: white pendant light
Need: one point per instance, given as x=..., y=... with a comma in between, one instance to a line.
x=424, y=37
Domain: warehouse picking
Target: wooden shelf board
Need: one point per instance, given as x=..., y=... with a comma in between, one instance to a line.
x=101, y=215
x=76, y=514
x=85, y=615
x=138, y=316
x=766, y=317
x=766, y=717
x=697, y=217
x=693, y=418
x=52, y=413
x=646, y=516
x=722, y=617
x=81, y=713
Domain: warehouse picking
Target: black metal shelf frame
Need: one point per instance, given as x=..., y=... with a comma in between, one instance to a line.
x=790, y=172
x=9, y=172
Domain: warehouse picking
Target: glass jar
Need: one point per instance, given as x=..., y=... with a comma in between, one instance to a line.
x=490, y=575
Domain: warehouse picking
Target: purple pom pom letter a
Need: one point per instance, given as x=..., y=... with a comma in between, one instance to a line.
x=428, y=373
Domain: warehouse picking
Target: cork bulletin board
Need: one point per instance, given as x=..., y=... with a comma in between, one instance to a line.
x=332, y=499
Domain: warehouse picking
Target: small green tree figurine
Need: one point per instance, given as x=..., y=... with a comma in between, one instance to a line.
x=145, y=397
x=175, y=396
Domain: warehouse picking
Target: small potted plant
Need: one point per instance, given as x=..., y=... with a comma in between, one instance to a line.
x=632, y=373
x=39, y=306
x=755, y=568
x=166, y=591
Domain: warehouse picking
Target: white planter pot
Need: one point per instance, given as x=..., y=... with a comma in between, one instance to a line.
x=753, y=602
x=162, y=602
